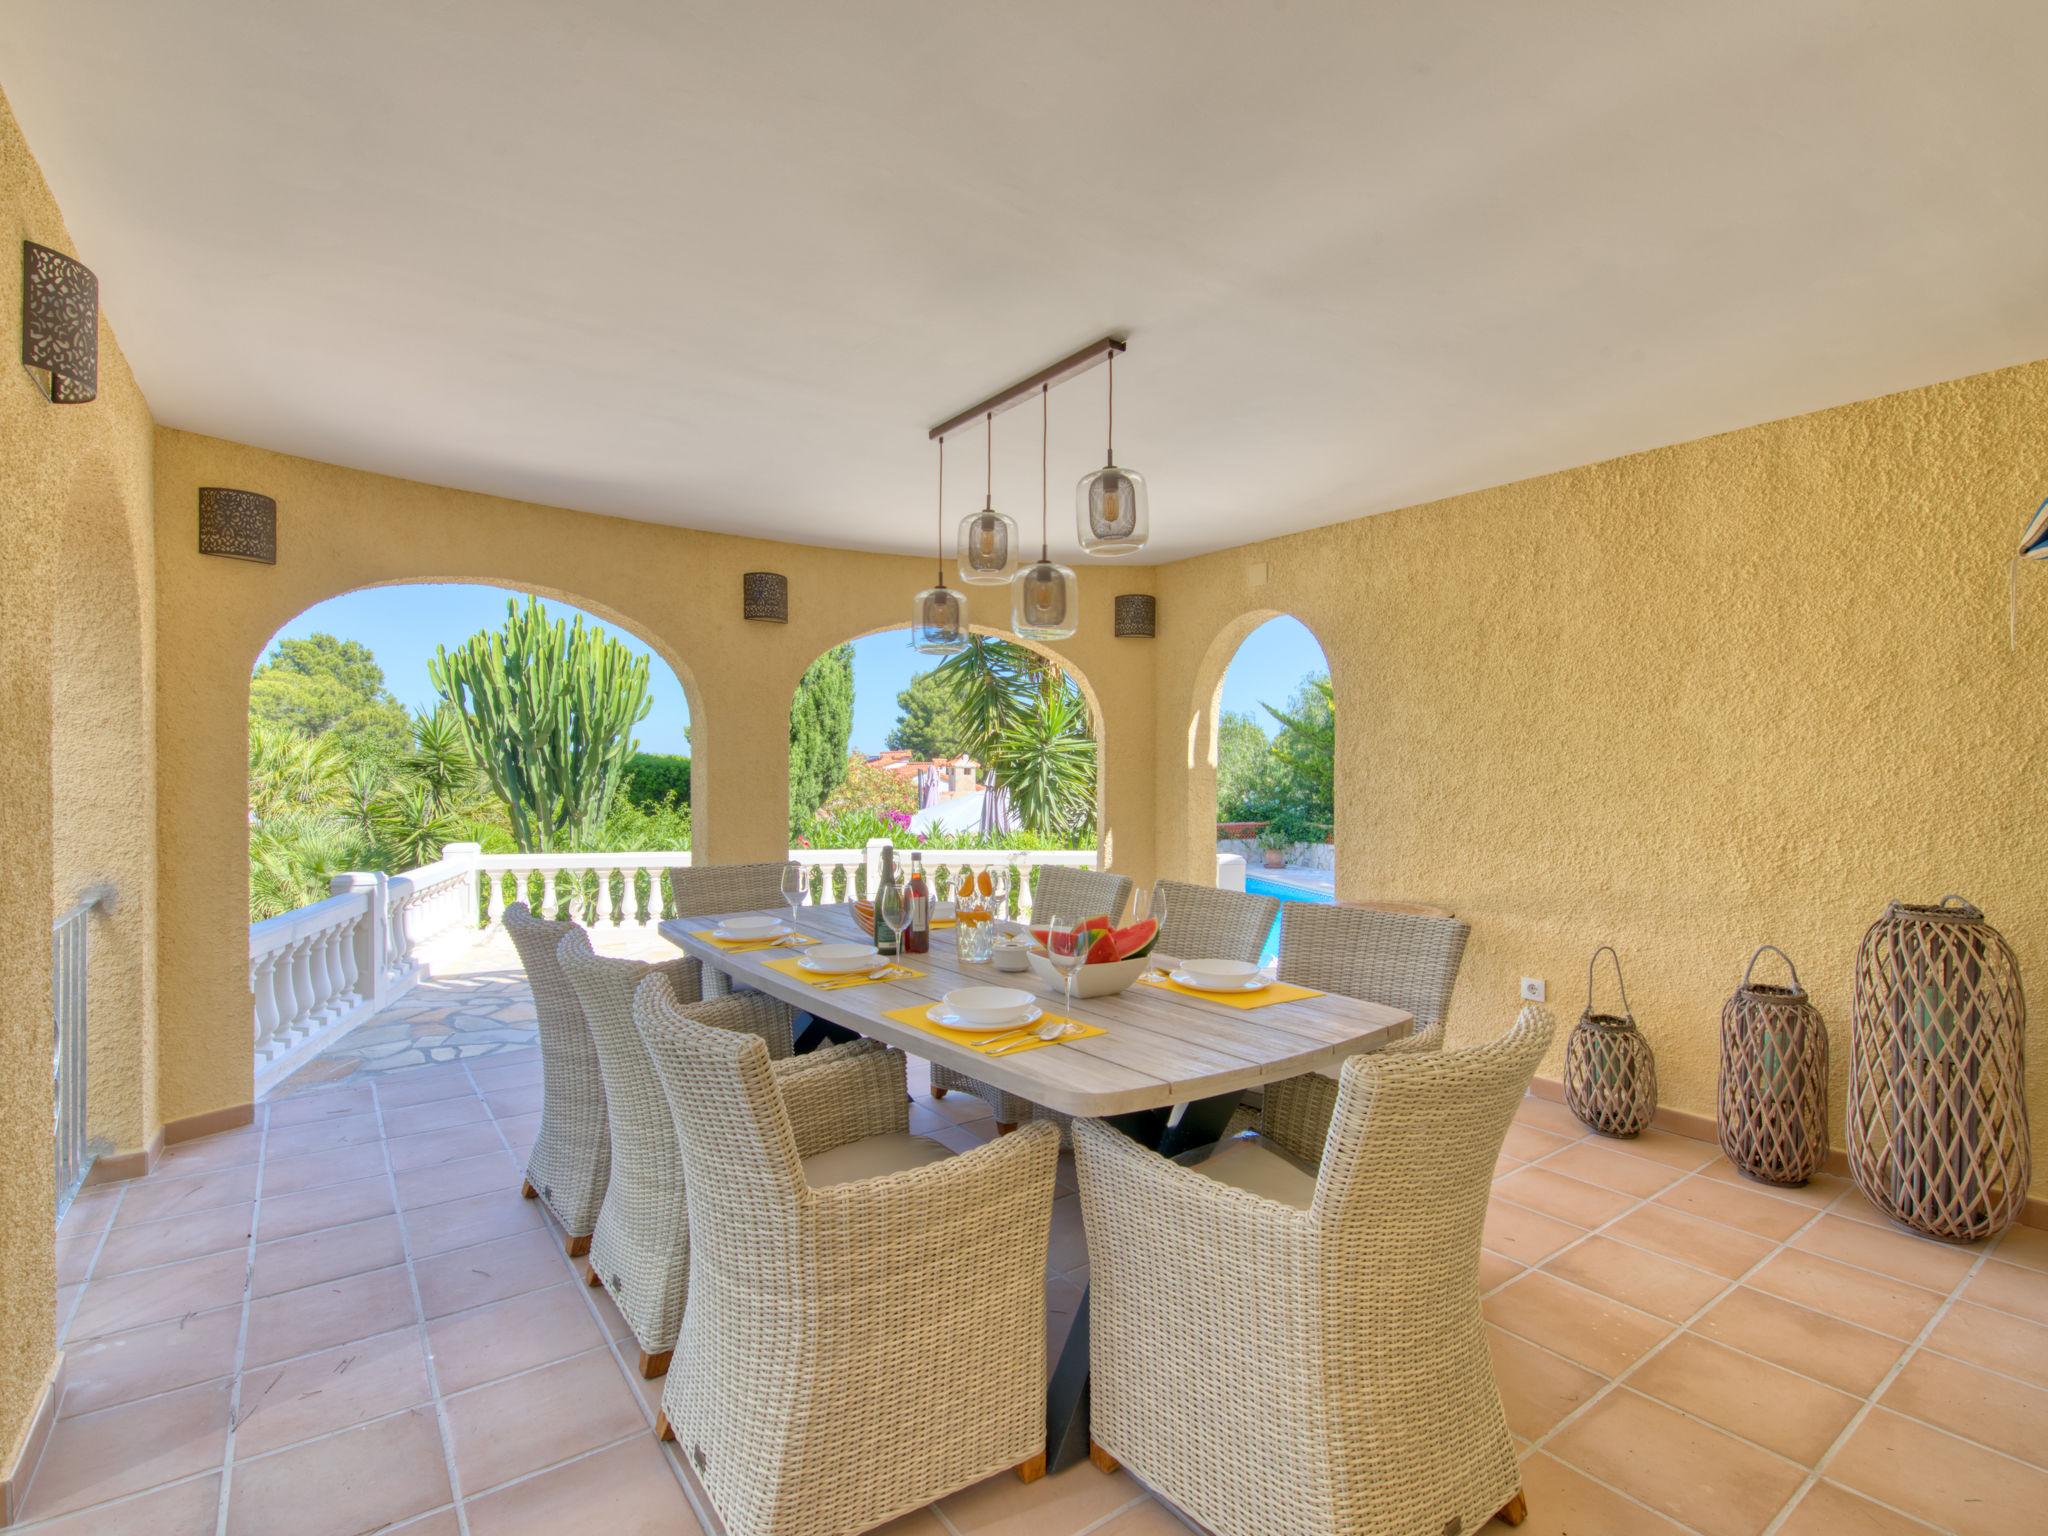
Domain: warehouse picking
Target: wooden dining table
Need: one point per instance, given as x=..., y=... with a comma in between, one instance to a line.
x=1168, y=1068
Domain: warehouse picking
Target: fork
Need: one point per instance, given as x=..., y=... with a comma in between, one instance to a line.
x=1051, y=1030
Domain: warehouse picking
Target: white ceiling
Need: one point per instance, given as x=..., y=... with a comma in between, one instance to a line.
x=722, y=264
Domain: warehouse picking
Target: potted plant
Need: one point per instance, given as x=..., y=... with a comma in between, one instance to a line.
x=1275, y=841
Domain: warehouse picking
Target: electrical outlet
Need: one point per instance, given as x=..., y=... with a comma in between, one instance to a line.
x=1532, y=989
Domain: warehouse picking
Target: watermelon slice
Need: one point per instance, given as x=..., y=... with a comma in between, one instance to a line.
x=1136, y=941
x=1099, y=921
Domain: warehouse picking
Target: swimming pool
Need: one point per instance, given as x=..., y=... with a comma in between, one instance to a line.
x=1283, y=892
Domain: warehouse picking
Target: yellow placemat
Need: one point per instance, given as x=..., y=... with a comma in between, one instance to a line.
x=1265, y=997
x=827, y=982
x=917, y=1018
x=779, y=941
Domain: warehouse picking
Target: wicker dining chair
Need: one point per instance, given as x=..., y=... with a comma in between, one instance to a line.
x=811, y=1394
x=702, y=890
x=1341, y=1305
x=640, y=1248
x=572, y=1156
x=1062, y=892
x=1406, y=960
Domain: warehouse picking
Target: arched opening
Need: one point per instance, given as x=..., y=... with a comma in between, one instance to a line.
x=997, y=748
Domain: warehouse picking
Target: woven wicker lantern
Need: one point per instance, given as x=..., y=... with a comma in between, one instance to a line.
x=1610, y=1075
x=1937, y=1096
x=1773, y=1097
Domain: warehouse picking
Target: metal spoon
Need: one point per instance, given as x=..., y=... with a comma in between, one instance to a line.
x=1051, y=1029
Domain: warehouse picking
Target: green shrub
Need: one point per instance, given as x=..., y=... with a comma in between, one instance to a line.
x=652, y=777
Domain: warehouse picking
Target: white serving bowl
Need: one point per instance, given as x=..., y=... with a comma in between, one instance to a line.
x=751, y=925
x=988, y=1005
x=1090, y=980
x=840, y=959
x=1217, y=975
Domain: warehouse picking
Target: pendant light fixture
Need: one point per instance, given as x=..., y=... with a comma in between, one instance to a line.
x=1109, y=504
x=1045, y=602
x=988, y=539
x=938, y=624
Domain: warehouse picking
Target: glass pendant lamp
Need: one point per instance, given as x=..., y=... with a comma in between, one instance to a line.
x=1110, y=514
x=988, y=540
x=938, y=623
x=1045, y=600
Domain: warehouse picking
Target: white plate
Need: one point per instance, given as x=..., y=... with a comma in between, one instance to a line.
x=941, y=1015
x=751, y=928
x=840, y=959
x=987, y=1005
x=1211, y=984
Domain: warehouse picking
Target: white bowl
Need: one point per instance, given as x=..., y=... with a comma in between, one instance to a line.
x=1217, y=975
x=750, y=926
x=1104, y=980
x=988, y=1005
x=840, y=959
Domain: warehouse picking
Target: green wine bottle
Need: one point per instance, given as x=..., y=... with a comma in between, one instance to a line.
x=888, y=908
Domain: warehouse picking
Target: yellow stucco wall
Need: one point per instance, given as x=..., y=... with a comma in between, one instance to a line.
x=76, y=636
x=1740, y=690
x=679, y=590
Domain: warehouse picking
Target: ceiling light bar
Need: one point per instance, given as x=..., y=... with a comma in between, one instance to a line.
x=1028, y=389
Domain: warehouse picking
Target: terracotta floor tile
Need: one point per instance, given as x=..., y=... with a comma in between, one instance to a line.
x=1526, y=1236
x=1752, y=1211
x=471, y=1277
x=1565, y=1502
x=920, y=1522
x=1150, y=1518
x=1525, y=1143
x=333, y=1205
x=625, y=1491
x=1645, y=1280
x=1854, y=1295
x=329, y=1314
x=491, y=1077
x=75, y=1256
x=1536, y=1387
x=507, y=1102
x=400, y=1089
x=1068, y=1242
x=1995, y=1340
x=2024, y=1246
x=182, y=1237
x=2010, y=1289
x=161, y=1439
x=1567, y=1199
x=440, y=1523
x=447, y=1145
x=92, y=1209
x=1680, y=1152
x=516, y=1426
x=334, y=1389
x=1495, y=1269
x=121, y=1367
x=289, y=1175
x=1677, y=1465
x=357, y=1481
x=152, y=1295
x=1782, y=1412
x=322, y=1106
x=1704, y=1244
x=1945, y=1481
x=1916, y=1260
x=163, y=1199
x=1831, y=1510
x=1602, y=1335
x=190, y=1508
x=473, y=1347
x=436, y=1229
x=332, y=1253
x=411, y=1119
x=1818, y=1193
x=458, y=1180
x=1993, y=1410
x=1066, y=1501
x=322, y=1136
x=230, y=1149
x=1549, y=1115
x=1609, y=1164
x=1800, y=1339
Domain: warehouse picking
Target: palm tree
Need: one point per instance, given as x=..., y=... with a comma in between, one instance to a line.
x=1025, y=721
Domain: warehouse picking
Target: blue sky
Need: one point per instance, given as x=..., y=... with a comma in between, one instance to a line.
x=403, y=626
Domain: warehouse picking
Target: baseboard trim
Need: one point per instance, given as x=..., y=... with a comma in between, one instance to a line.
x=113, y=1167
x=28, y=1449
x=211, y=1123
x=1683, y=1122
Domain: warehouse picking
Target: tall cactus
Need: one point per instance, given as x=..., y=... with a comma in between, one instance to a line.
x=549, y=710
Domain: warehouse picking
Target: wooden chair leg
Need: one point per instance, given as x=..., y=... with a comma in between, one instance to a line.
x=591, y=1277
x=938, y=1092
x=577, y=1246
x=1031, y=1470
x=1102, y=1458
x=1515, y=1511
x=652, y=1366
x=663, y=1430
x=527, y=1190
x=1003, y=1129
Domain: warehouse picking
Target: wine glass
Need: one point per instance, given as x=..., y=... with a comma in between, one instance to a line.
x=1064, y=949
x=794, y=884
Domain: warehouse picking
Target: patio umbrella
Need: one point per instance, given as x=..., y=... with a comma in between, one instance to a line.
x=927, y=787
x=995, y=810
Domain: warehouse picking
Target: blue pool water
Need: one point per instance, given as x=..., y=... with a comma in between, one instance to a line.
x=1284, y=892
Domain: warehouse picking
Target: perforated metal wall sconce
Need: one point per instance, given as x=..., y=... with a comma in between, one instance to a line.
x=1137, y=616
x=764, y=595
x=237, y=525
x=60, y=325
